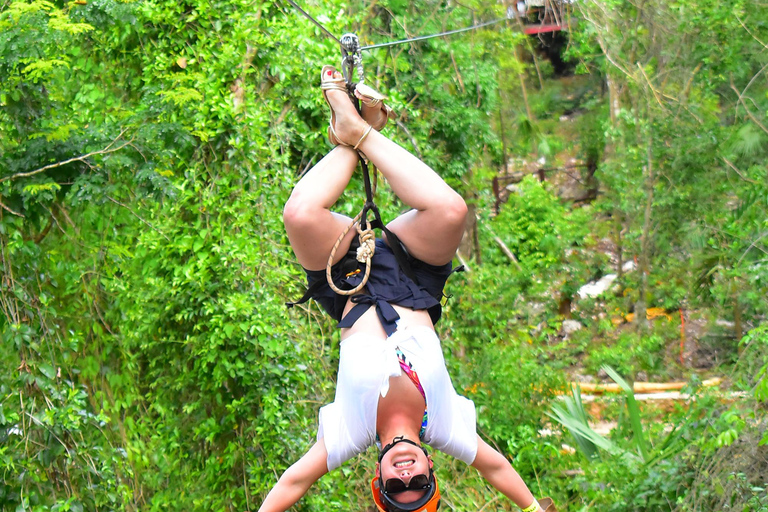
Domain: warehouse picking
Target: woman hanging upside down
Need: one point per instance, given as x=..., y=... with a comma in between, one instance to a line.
x=393, y=387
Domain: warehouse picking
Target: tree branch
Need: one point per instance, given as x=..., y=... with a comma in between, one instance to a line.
x=81, y=158
x=650, y=86
x=139, y=217
x=744, y=103
x=750, y=33
x=748, y=180
x=413, y=140
x=754, y=244
x=753, y=79
x=507, y=252
x=4, y=207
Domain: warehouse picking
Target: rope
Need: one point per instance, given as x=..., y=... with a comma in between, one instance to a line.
x=364, y=254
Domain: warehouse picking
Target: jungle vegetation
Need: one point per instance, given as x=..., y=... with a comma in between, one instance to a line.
x=146, y=150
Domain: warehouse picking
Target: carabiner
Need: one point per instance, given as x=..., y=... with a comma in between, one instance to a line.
x=352, y=58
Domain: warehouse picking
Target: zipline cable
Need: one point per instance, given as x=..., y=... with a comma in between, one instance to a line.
x=313, y=20
x=422, y=38
x=402, y=41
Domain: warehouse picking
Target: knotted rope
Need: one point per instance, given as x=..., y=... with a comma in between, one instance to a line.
x=364, y=253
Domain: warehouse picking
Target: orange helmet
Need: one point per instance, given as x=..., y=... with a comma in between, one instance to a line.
x=430, y=502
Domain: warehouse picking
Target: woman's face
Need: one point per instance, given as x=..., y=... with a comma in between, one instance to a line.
x=404, y=461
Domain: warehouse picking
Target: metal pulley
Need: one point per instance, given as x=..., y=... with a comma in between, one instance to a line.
x=352, y=58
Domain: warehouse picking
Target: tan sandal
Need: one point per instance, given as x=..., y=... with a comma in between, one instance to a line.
x=372, y=98
x=547, y=505
x=328, y=83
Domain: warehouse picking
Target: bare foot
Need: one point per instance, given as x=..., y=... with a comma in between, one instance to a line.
x=349, y=126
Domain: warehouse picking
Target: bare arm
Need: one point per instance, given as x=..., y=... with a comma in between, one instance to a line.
x=297, y=479
x=495, y=468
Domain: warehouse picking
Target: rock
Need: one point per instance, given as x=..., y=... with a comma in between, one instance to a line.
x=534, y=309
x=596, y=288
x=570, y=326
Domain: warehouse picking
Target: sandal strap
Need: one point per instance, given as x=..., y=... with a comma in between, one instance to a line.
x=369, y=92
x=363, y=137
x=333, y=86
x=371, y=103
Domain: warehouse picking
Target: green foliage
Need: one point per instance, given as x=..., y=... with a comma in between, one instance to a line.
x=684, y=196
x=548, y=242
x=645, y=472
x=147, y=149
x=537, y=228
x=533, y=222
x=572, y=415
x=631, y=353
x=509, y=386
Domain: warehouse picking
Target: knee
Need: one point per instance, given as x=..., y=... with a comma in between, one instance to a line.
x=296, y=213
x=455, y=210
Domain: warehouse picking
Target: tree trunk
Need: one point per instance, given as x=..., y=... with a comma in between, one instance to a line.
x=501, y=127
x=619, y=251
x=521, y=76
x=640, y=306
x=613, y=98
x=469, y=246
x=737, y=322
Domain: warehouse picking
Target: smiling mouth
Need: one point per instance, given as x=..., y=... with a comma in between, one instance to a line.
x=405, y=464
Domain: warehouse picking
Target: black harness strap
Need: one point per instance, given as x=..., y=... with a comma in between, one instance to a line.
x=308, y=294
x=398, y=249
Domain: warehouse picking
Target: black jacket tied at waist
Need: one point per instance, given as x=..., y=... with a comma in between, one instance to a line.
x=384, y=310
x=387, y=285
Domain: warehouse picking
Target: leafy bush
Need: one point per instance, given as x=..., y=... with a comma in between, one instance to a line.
x=632, y=352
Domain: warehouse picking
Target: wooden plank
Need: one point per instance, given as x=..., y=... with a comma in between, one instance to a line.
x=641, y=387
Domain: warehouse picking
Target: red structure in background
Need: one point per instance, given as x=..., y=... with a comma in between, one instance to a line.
x=541, y=29
x=540, y=16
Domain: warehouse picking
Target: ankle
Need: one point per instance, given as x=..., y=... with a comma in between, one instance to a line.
x=351, y=130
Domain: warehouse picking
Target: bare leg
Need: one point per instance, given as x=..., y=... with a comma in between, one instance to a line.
x=433, y=229
x=311, y=226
